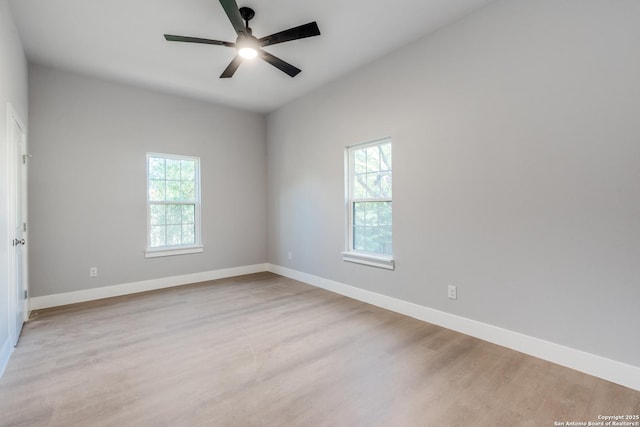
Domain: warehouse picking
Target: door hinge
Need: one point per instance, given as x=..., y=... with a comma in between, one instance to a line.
x=24, y=227
x=25, y=157
x=26, y=294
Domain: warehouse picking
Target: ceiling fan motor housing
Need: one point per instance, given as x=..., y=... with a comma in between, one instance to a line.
x=247, y=13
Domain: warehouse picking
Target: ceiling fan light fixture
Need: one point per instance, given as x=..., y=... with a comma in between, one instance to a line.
x=247, y=52
x=247, y=47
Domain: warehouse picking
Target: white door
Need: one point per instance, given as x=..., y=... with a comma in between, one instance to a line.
x=17, y=213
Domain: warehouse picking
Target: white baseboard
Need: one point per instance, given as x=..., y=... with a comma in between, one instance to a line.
x=5, y=353
x=55, y=300
x=610, y=370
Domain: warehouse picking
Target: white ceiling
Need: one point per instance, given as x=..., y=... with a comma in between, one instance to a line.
x=123, y=40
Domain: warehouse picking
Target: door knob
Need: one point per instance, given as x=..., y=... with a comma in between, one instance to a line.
x=17, y=242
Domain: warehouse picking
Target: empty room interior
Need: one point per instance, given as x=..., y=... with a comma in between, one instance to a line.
x=282, y=213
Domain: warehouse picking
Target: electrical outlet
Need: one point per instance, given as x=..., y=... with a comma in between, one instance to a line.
x=93, y=272
x=290, y=255
x=452, y=292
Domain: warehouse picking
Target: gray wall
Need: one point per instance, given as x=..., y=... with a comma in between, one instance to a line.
x=87, y=181
x=13, y=89
x=516, y=171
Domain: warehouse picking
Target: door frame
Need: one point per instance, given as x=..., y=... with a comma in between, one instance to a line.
x=16, y=171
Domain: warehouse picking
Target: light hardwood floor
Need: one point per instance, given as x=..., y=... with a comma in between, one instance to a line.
x=263, y=350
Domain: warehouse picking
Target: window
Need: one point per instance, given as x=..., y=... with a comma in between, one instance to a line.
x=369, y=204
x=173, y=205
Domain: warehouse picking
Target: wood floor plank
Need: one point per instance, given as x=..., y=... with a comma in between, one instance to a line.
x=263, y=350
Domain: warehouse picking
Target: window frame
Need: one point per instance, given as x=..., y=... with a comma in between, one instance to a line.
x=350, y=254
x=170, y=250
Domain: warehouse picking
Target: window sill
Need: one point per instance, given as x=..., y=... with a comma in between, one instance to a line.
x=380, y=261
x=155, y=253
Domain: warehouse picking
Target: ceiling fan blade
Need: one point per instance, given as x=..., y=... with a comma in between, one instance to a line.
x=279, y=63
x=307, y=30
x=231, y=68
x=233, y=12
x=172, y=38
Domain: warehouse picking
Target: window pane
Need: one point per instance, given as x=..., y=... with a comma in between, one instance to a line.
x=188, y=190
x=384, y=213
x=373, y=158
x=174, y=214
x=188, y=234
x=173, y=190
x=360, y=186
x=188, y=214
x=173, y=169
x=156, y=168
x=174, y=235
x=371, y=214
x=157, y=215
x=156, y=190
x=188, y=168
x=385, y=185
x=358, y=213
x=384, y=240
x=360, y=161
x=157, y=236
x=366, y=239
x=359, y=238
x=385, y=157
x=373, y=185
x=369, y=241
x=368, y=186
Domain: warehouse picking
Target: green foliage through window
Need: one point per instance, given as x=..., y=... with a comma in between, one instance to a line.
x=173, y=199
x=370, y=198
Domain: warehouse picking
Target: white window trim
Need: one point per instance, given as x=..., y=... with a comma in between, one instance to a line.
x=373, y=260
x=349, y=254
x=173, y=250
x=163, y=251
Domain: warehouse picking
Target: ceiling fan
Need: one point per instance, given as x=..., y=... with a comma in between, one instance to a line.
x=247, y=45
